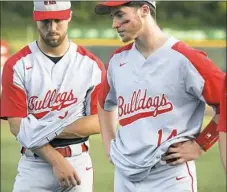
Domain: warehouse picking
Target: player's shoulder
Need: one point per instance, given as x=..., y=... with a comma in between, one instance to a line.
x=196, y=58
x=122, y=49
x=86, y=53
x=120, y=52
x=189, y=52
x=92, y=57
x=16, y=57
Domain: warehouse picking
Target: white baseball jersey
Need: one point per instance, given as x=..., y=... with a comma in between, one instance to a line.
x=35, y=88
x=160, y=100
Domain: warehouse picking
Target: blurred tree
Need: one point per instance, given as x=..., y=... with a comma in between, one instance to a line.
x=193, y=14
x=175, y=14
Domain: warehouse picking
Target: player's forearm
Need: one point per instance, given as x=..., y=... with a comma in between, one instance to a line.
x=82, y=127
x=48, y=153
x=222, y=145
x=108, y=126
x=14, y=124
x=32, y=133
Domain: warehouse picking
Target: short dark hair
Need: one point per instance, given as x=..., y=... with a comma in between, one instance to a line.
x=140, y=4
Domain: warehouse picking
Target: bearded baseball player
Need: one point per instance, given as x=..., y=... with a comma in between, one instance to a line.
x=160, y=87
x=50, y=100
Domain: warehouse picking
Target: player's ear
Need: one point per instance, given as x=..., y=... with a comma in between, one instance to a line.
x=145, y=10
x=71, y=13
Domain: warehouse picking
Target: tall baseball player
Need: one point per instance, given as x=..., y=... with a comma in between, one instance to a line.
x=160, y=87
x=222, y=124
x=50, y=100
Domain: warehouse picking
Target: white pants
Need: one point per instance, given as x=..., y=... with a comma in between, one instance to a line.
x=181, y=178
x=36, y=175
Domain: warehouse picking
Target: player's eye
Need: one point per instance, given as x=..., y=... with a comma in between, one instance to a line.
x=45, y=22
x=57, y=21
x=119, y=15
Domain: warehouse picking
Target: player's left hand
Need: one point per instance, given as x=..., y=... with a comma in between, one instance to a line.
x=182, y=152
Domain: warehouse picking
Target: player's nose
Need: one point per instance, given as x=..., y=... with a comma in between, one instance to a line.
x=52, y=25
x=116, y=23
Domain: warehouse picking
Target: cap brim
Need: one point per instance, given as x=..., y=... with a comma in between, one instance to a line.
x=105, y=7
x=59, y=15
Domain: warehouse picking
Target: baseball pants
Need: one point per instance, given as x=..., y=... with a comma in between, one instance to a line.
x=181, y=178
x=36, y=175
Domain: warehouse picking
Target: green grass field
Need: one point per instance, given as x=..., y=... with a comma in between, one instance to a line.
x=211, y=177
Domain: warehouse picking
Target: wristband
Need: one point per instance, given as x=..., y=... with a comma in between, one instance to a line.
x=208, y=136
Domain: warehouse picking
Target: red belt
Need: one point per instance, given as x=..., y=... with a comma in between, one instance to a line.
x=64, y=151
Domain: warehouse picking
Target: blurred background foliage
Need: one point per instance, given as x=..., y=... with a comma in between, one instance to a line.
x=179, y=14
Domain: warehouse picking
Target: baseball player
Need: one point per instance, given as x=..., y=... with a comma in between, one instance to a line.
x=50, y=100
x=160, y=87
x=222, y=124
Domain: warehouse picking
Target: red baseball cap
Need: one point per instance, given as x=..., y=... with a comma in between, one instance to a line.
x=105, y=7
x=43, y=10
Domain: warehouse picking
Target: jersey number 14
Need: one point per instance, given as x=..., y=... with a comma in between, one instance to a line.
x=160, y=134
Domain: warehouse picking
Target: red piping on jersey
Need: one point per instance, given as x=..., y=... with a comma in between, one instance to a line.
x=14, y=100
x=105, y=88
x=121, y=49
x=94, y=94
x=189, y=172
x=207, y=69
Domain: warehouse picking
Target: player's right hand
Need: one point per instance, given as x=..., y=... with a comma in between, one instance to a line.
x=65, y=174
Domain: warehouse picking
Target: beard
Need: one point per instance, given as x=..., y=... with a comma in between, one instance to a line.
x=53, y=39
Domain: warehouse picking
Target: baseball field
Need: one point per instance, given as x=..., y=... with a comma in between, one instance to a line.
x=211, y=177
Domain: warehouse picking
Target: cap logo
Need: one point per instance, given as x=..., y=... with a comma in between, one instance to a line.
x=49, y=2
x=43, y=10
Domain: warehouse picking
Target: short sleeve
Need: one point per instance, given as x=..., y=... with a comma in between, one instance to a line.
x=194, y=83
x=97, y=76
x=202, y=77
x=107, y=95
x=13, y=99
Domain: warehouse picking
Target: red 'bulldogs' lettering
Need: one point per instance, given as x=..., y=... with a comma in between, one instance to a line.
x=52, y=100
x=157, y=105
